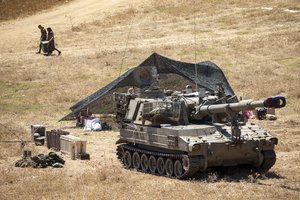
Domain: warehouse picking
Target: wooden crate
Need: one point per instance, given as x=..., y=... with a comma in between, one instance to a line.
x=72, y=145
x=53, y=139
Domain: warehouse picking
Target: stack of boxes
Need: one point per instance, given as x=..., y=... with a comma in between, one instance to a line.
x=59, y=140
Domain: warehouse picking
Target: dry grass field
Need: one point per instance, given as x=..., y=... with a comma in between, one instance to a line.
x=11, y=9
x=256, y=43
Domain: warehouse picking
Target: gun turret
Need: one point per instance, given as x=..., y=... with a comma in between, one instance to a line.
x=183, y=109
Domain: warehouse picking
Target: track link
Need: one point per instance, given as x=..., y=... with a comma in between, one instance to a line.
x=192, y=163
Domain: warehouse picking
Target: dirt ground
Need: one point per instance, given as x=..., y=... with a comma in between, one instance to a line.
x=256, y=43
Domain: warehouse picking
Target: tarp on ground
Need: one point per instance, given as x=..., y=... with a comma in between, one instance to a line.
x=209, y=75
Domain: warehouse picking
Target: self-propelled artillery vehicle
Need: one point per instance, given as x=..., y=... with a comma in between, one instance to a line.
x=179, y=133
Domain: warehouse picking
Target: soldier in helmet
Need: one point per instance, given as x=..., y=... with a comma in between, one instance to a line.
x=42, y=38
x=188, y=89
x=131, y=92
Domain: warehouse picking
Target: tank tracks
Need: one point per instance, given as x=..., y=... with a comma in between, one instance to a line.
x=179, y=166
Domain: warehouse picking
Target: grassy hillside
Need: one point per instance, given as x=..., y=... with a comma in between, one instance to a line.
x=11, y=9
x=256, y=43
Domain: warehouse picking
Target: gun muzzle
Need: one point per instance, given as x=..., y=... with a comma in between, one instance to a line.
x=275, y=102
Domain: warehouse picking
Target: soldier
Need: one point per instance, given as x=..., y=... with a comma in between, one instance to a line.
x=131, y=93
x=51, y=45
x=43, y=37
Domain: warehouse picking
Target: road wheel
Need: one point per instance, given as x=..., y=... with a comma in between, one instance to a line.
x=136, y=160
x=178, y=169
x=160, y=166
x=269, y=161
x=152, y=164
x=144, y=163
x=185, y=163
x=127, y=160
x=169, y=167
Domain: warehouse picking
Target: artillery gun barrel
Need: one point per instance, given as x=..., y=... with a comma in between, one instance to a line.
x=272, y=102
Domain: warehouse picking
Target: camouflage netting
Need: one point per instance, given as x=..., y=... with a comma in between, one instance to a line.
x=209, y=76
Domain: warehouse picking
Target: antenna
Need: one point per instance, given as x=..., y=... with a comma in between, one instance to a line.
x=124, y=53
x=195, y=48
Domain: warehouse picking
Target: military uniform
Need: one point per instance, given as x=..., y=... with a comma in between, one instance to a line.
x=43, y=37
x=51, y=45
